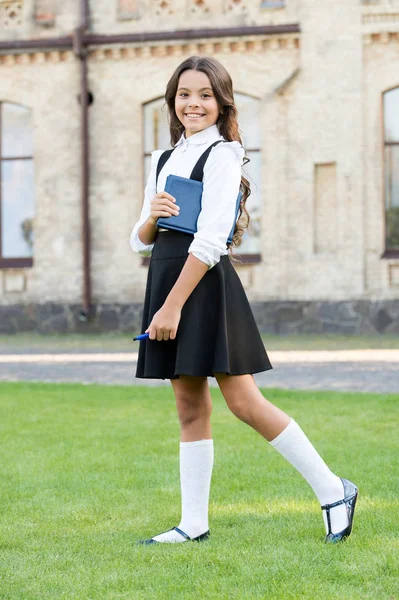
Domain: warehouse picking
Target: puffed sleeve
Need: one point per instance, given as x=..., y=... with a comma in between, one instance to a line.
x=222, y=178
x=136, y=244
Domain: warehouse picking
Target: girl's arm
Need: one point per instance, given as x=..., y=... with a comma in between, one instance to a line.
x=190, y=276
x=162, y=205
x=148, y=231
x=166, y=321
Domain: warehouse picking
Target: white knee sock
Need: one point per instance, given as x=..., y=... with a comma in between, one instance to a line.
x=196, y=463
x=293, y=444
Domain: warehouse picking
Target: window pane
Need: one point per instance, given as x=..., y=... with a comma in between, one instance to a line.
x=16, y=131
x=272, y=3
x=156, y=126
x=17, y=181
x=251, y=238
x=392, y=196
x=391, y=115
x=147, y=168
x=248, y=120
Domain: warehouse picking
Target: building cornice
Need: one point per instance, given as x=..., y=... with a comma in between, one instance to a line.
x=159, y=38
x=382, y=37
x=242, y=40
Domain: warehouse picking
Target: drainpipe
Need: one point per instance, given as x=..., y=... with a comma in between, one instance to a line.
x=81, y=52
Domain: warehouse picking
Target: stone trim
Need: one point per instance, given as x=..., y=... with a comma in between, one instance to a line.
x=384, y=37
x=244, y=45
x=351, y=317
x=35, y=58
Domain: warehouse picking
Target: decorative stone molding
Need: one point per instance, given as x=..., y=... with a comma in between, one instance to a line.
x=131, y=9
x=384, y=37
x=226, y=46
x=388, y=17
x=162, y=8
x=45, y=12
x=377, y=15
x=11, y=13
x=236, y=7
x=243, y=45
x=128, y=9
x=35, y=58
x=200, y=7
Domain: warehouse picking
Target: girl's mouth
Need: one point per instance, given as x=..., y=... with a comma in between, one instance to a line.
x=193, y=116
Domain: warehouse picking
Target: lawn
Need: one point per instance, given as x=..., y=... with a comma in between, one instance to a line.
x=88, y=470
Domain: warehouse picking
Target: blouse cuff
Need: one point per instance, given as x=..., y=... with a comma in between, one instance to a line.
x=203, y=257
x=137, y=245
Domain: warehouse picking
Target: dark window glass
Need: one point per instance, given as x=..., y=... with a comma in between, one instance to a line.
x=391, y=167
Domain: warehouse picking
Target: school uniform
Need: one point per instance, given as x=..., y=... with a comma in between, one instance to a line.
x=217, y=332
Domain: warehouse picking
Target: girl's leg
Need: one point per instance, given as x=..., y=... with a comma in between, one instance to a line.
x=245, y=401
x=194, y=407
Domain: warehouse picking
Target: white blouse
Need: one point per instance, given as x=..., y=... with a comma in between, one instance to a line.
x=222, y=177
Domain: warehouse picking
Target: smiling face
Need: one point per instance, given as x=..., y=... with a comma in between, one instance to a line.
x=195, y=103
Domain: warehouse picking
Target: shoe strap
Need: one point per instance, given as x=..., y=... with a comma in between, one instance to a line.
x=327, y=507
x=343, y=501
x=182, y=533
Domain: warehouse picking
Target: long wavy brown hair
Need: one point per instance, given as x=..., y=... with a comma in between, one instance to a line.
x=227, y=123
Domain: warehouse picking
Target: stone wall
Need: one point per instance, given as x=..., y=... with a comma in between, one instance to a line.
x=279, y=317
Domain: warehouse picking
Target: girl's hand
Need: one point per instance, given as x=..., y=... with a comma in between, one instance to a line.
x=164, y=323
x=163, y=205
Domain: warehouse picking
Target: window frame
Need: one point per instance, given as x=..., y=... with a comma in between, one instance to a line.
x=388, y=252
x=10, y=263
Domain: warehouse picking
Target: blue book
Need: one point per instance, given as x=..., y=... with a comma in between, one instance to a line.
x=188, y=194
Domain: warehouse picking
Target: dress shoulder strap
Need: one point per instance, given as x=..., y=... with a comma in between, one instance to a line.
x=162, y=160
x=198, y=171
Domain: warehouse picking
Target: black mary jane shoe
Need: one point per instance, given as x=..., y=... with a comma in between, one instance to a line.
x=351, y=493
x=199, y=538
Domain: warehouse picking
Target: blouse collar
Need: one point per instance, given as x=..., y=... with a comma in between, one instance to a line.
x=209, y=134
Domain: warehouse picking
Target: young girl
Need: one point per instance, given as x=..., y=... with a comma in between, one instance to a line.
x=196, y=312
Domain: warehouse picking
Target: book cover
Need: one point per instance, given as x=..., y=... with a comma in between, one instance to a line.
x=188, y=194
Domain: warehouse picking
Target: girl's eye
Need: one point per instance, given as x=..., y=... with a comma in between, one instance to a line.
x=183, y=94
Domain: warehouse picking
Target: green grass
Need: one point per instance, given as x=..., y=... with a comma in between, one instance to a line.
x=122, y=342
x=88, y=470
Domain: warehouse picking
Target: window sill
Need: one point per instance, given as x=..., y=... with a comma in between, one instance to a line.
x=15, y=263
x=390, y=254
x=243, y=259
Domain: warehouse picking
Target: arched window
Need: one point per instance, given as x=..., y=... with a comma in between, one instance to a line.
x=17, y=186
x=156, y=135
x=391, y=155
x=248, y=120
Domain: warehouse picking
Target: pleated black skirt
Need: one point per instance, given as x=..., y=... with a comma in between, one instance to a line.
x=217, y=332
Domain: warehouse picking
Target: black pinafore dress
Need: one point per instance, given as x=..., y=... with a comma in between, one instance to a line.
x=217, y=332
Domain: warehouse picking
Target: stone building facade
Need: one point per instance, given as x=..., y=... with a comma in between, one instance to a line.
x=318, y=91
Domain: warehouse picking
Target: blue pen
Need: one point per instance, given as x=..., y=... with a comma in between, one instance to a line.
x=143, y=336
